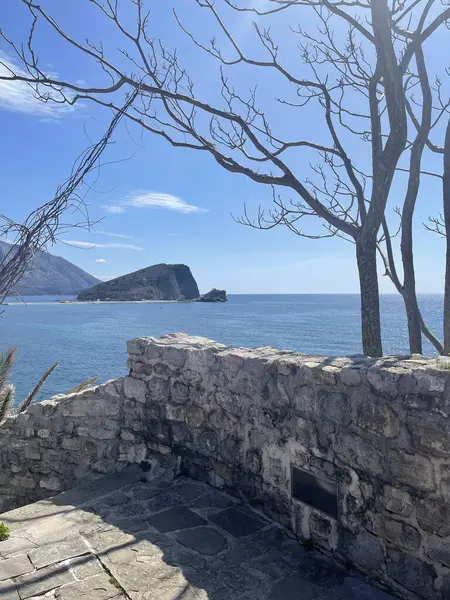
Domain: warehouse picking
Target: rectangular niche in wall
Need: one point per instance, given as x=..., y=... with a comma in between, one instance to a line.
x=318, y=492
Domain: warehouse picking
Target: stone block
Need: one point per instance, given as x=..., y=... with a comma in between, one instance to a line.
x=350, y=376
x=15, y=545
x=438, y=549
x=430, y=434
x=140, y=370
x=71, y=444
x=402, y=535
x=158, y=389
x=157, y=431
x=334, y=407
x=181, y=434
x=411, y=573
x=238, y=521
x=231, y=450
x=433, y=516
x=253, y=460
x=90, y=404
x=23, y=481
x=195, y=417
x=377, y=417
x=176, y=519
x=179, y=392
x=42, y=581
x=43, y=433
x=274, y=394
x=411, y=470
x=87, y=565
x=362, y=548
x=8, y=590
x=136, y=346
x=135, y=389
x=173, y=356
x=205, y=540
x=175, y=412
x=354, y=450
x=383, y=381
x=304, y=403
x=396, y=501
x=31, y=453
x=52, y=553
x=152, y=350
x=208, y=442
x=50, y=483
x=99, y=587
x=13, y=567
x=429, y=381
x=100, y=433
x=245, y=484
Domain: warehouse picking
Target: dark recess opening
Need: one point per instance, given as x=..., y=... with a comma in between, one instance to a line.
x=316, y=491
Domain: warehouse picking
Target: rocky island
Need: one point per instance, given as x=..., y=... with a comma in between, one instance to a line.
x=161, y=282
x=213, y=296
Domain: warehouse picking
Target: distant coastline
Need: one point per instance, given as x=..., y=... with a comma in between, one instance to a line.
x=123, y=301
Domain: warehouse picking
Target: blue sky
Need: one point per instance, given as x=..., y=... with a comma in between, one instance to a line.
x=156, y=203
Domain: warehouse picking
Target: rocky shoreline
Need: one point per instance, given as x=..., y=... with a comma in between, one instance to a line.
x=213, y=296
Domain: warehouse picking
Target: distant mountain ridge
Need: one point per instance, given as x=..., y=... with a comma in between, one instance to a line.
x=158, y=282
x=50, y=275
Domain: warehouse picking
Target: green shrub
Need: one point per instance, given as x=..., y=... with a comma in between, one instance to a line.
x=4, y=532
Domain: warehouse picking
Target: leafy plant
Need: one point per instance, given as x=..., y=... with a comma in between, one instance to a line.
x=4, y=532
x=7, y=390
x=32, y=395
x=82, y=386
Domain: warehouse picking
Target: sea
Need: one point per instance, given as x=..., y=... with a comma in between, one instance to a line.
x=89, y=339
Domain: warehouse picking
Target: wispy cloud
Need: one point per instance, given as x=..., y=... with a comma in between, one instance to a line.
x=91, y=245
x=100, y=260
x=17, y=96
x=143, y=199
x=115, y=235
x=157, y=200
x=113, y=208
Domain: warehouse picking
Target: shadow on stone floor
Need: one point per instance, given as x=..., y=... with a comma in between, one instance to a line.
x=163, y=540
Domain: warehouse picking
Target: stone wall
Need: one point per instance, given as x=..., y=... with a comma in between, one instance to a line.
x=240, y=419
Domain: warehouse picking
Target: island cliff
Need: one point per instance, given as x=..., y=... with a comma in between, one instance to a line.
x=158, y=282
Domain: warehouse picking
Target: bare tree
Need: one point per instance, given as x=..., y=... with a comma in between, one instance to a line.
x=432, y=109
x=441, y=225
x=43, y=226
x=357, y=80
x=446, y=199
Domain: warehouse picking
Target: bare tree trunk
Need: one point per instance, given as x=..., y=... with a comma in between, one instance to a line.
x=446, y=200
x=391, y=272
x=409, y=279
x=370, y=299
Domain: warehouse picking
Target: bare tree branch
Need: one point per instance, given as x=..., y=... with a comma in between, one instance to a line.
x=44, y=224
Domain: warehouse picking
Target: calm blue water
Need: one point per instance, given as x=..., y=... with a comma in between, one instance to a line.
x=89, y=339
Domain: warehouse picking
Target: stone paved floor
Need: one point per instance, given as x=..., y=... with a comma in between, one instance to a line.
x=178, y=540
